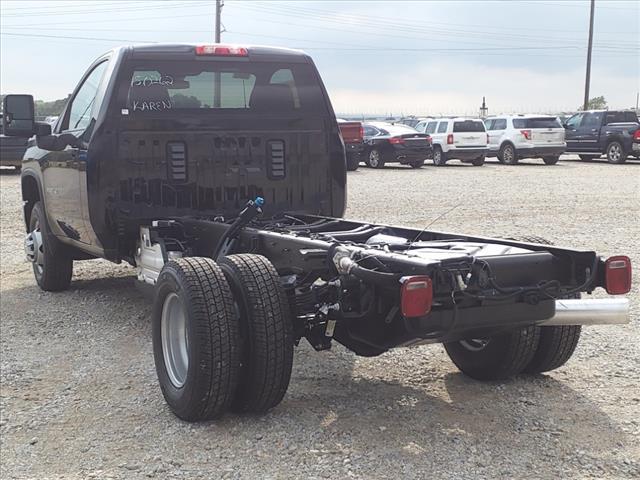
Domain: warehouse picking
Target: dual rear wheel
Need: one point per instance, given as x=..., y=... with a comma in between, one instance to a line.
x=527, y=350
x=222, y=336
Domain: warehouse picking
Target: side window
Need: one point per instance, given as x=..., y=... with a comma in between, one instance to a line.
x=442, y=128
x=574, y=122
x=284, y=76
x=500, y=124
x=488, y=124
x=592, y=120
x=431, y=127
x=420, y=127
x=86, y=103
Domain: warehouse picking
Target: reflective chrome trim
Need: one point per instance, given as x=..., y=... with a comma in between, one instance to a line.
x=605, y=311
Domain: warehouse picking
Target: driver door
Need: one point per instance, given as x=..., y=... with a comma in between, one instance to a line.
x=64, y=172
x=572, y=133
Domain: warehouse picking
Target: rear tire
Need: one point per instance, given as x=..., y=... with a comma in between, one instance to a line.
x=501, y=357
x=508, y=154
x=551, y=160
x=266, y=332
x=352, y=163
x=439, y=157
x=616, y=153
x=52, y=266
x=478, y=162
x=416, y=164
x=197, y=356
x=374, y=159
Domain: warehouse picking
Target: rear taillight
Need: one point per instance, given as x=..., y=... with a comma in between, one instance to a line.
x=396, y=140
x=617, y=275
x=428, y=139
x=450, y=139
x=636, y=135
x=526, y=133
x=416, y=296
x=222, y=50
x=361, y=133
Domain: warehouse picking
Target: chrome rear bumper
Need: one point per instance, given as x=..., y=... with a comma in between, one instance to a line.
x=606, y=311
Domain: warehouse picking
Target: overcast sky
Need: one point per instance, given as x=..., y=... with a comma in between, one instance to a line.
x=423, y=57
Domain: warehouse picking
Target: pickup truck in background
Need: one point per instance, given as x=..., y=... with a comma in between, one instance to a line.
x=352, y=136
x=229, y=203
x=11, y=150
x=614, y=133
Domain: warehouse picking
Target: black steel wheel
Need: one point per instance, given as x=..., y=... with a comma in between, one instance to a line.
x=52, y=264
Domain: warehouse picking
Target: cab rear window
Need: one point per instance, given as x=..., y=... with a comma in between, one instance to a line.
x=260, y=87
x=468, y=126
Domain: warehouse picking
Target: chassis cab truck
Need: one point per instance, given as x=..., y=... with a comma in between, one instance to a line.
x=219, y=173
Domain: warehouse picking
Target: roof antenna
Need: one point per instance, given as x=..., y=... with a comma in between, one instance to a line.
x=433, y=221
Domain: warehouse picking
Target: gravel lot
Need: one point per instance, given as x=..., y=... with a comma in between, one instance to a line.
x=79, y=397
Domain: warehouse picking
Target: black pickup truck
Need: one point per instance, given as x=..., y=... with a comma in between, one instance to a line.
x=615, y=133
x=12, y=150
x=218, y=171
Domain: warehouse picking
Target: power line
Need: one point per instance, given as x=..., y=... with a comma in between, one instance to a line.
x=76, y=38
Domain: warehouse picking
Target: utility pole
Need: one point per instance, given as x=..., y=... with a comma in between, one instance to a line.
x=588, y=78
x=217, y=78
x=219, y=5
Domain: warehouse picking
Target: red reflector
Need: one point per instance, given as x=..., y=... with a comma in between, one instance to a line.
x=396, y=140
x=526, y=133
x=222, y=50
x=416, y=296
x=450, y=139
x=617, y=275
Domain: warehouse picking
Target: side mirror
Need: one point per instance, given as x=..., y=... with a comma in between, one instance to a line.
x=18, y=119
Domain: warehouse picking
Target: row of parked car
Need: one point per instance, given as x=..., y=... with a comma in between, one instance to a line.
x=509, y=138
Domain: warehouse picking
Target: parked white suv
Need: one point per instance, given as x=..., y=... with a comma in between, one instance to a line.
x=464, y=139
x=512, y=137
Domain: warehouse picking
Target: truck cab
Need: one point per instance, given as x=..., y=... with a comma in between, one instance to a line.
x=159, y=131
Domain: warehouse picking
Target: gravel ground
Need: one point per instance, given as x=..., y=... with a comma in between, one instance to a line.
x=79, y=397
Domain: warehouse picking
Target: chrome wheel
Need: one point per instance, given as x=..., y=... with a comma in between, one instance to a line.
x=475, y=344
x=374, y=158
x=175, y=340
x=34, y=249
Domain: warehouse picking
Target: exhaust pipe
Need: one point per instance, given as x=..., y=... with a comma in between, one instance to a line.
x=606, y=311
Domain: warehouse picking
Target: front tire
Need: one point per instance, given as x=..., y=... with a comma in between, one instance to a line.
x=586, y=158
x=52, y=264
x=416, y=164
x=374, y=159
x=616, y=153
x=195, y=339
x=551, y=160
x=266, y=332
x=495, y=358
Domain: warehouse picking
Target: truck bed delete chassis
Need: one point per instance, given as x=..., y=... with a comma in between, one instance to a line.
x=344, y=279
